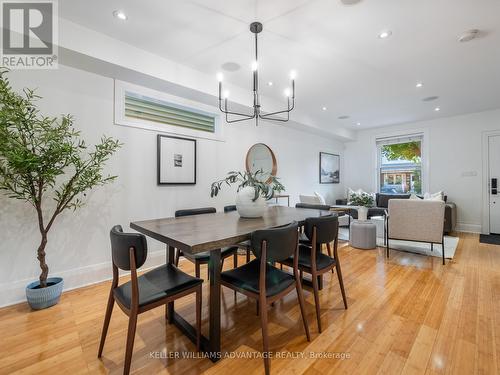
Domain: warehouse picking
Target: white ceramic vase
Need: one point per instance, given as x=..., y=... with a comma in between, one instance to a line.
x=245, y=205
x=363, y=213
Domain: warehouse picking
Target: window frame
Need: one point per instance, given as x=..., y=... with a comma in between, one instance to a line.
x=121, y=119
x=423, y=134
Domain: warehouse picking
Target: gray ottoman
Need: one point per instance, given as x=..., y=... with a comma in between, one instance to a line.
x=363, y=234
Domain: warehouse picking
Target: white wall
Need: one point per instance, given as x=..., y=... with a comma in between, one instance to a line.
x=454, y=149
x=78, y=247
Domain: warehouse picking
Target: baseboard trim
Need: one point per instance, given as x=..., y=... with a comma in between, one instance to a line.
x=468, y=228
x=13, y=293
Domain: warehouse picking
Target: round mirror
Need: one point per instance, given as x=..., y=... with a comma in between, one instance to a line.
x=260, y=156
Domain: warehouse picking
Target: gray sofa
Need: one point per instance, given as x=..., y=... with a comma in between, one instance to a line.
x=382, y=204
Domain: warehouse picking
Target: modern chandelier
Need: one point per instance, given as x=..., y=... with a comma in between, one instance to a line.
x=256, y=28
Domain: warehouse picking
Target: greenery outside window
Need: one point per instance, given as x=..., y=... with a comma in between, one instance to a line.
x=400, y=164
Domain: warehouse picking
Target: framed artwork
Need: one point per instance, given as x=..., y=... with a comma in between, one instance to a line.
x=176, y=160
x=329, y=168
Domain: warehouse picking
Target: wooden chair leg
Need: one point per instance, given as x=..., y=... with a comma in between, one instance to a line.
x=265, y=336
x=197, y=269
x=235, y=265
x=248, y=255
x=132, y=324
x=329, y=248
x=107, y=318
x=316, y=300
x=198, y=318
x=432, y=246
x=341, y=283
x=300, y=295
x=176, y=257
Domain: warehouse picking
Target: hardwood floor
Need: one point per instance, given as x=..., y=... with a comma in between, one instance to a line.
x=407, y=315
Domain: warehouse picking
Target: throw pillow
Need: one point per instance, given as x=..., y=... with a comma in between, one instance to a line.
x=320, y=198
x=435, y=197
x=415, y=197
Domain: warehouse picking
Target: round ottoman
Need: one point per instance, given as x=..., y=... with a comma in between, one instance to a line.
x=363, y=234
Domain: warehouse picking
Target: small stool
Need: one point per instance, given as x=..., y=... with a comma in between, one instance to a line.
x=363, y=234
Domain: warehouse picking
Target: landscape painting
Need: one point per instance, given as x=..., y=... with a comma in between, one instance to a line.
x=329, y=168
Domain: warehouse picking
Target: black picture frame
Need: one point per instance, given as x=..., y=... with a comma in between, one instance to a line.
x=176, y=161
x=332, y=176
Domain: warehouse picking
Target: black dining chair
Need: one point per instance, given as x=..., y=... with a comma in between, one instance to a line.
x=245, y=245
x=319, y=230
x=260, y=280
x=154, y=288
x=204, y=257
x=323, y=207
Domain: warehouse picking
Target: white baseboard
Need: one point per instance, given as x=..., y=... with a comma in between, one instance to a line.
x=469, y=228
x=14, y=292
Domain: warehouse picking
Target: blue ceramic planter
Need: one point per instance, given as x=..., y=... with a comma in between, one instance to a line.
x=41, y=298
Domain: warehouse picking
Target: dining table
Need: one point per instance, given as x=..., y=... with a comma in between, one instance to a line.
x=211, y=232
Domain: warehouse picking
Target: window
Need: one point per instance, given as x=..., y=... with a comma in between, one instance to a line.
x=150, y=109
x=400, y=164
x=144, y=108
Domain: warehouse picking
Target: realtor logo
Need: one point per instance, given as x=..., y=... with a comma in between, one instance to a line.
x=29, y=34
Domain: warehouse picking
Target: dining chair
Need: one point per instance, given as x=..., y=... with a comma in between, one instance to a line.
x=154, y=288
x=324, y=207
x=319, y=230
x=245, y=245
x=204, y=257
x=261, y=280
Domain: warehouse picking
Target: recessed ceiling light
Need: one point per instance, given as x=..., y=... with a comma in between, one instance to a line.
x=120, y=15
x=430, y=98
x=419, y=85
x=230, y=66
x=344, y=117
x=358, y=123
x=385, y=34
x=437, y=109
x=324, y=108
x=270, y=83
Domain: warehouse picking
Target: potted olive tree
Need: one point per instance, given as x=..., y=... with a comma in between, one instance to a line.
x=44, y=162
x=253, y=191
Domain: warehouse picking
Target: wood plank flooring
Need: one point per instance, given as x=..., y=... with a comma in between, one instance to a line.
x=407, y=315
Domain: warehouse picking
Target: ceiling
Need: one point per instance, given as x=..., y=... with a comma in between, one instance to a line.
x=341, y=62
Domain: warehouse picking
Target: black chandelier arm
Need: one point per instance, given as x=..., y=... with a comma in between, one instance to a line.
x=246, y=118
x=226, y=111
x=287, y=111
x=267, y=118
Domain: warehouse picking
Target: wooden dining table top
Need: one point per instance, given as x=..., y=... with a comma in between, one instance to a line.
x=199, y=233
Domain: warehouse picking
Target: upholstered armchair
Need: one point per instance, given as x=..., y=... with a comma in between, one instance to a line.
x=415, y=220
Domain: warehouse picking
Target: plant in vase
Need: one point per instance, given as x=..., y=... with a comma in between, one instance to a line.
x=42, y=160
x=252, y=191
x=363, y=201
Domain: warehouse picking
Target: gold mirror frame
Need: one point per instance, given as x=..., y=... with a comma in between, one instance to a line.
x=275, y=164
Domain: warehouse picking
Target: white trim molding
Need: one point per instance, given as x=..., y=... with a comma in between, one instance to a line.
x=121, y=119
x=485, y=214
x=468, y=228
x=14, y=292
